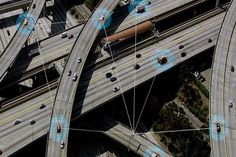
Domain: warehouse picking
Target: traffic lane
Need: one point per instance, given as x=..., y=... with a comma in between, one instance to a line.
x=101, y=74
x=27, y=135
x=127, y=74
x=18, y=40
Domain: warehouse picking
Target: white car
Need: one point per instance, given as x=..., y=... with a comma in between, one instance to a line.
x=75, y=77
x=102, y=18
x=140, y=8
x=62, y=144
x=26, y=22
x=113, y=67
x=155, y=155
x=196, y=74
x=17, y=121
x=64, y=34
x=79, y=60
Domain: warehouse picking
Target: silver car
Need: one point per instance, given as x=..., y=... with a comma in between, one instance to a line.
x=75, y=77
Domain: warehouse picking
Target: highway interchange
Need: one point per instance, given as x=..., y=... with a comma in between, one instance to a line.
x=195, y=40
x=99, y=74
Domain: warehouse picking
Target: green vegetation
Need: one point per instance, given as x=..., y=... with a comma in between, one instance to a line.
x=202, y=88
x=190, y=95
x=189, y=143
x=91, y=4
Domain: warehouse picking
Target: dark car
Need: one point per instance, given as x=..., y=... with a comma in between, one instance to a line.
x=109, y=74
x=115, y=89
x=218, y=127
x=32, y=122
x=42, y=106
x=58, y=128
x=69, y=73
x=34, y=5
x=113, y=78
x=71, y=36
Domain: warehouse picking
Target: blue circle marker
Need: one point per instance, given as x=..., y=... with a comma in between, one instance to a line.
x=102, y=18
x=27, y=28
x=153, y=150
x=54, y=135
x=213, y=129
x=135, y=3
x=162, y=53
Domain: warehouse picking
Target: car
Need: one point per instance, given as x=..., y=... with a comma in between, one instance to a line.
x=155, y=155
x=32, y=122
x=8, y=33
x=17, y=121
x=162, y=60
x=232, y=69
x=58, y=128
x=64, y=34
x=230, y=103
x=183, y=54
x=69, y=73
x=196, y=74
x=75, y=77
x=79, y=60
x=71, y=36
x=42, y=106
x=181, y=46
x=124, y=2
x=138, y=55
x=218, y=127
x=140, y=8
x=102, y=18
x=26, y=22
x=136, y=66
x=62, y=144
x=113, y=78
x=108, y=75
x=148, y=3
x=113, y=67
x=34, y=5
x=115, y=89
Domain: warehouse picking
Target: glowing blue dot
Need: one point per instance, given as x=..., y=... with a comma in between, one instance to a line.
x=102, y=18
x=132, y=8
x=58, y=137
x=25, y=29
x=213, y=129
x=162, y=53
x=153, y=150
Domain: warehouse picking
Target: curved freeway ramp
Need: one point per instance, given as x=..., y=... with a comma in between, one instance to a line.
x=68, y=85
x=20, y=37
x=223, y=89
x=138, y=143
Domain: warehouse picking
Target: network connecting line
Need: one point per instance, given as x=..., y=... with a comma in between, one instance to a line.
x=118, y=78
